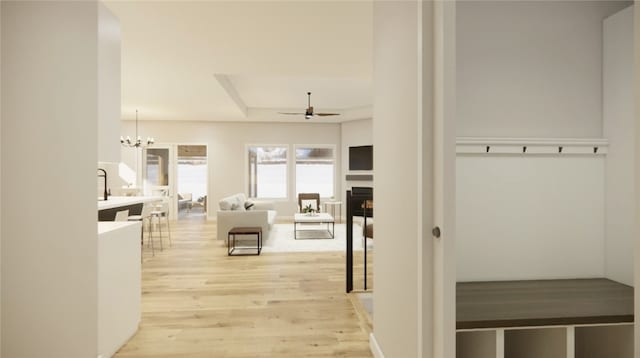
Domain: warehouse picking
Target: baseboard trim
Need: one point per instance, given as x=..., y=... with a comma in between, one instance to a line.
x=375, y=348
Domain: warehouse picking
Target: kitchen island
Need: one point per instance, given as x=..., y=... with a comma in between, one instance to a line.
x=119, y=284
x=107, y=209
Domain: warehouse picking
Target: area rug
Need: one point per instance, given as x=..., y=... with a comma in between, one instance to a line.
x=281, y=239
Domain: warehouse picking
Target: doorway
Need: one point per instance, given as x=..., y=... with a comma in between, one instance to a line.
x=158, y=174
x=191, y=175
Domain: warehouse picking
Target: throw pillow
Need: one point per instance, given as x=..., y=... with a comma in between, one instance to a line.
x=237, y=207
x=225, y=205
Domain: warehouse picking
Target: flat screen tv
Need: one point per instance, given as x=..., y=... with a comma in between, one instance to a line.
x=361, y=158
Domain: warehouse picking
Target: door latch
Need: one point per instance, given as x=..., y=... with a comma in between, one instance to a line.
x=436, y=232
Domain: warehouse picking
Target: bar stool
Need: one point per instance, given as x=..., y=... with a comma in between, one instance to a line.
x=162, y=211
x=145, y=217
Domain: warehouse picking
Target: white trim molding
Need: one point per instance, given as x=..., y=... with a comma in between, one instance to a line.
x=539, y=146
x=375, y=348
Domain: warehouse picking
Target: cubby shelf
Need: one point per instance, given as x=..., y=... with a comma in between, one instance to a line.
x=579, y=341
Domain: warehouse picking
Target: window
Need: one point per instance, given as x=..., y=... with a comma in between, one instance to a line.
x=267, y=172
x=315, y=170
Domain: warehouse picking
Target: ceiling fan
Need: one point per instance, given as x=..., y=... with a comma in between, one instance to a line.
x=309, y=111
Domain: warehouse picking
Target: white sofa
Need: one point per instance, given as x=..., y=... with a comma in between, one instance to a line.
x=232, y=213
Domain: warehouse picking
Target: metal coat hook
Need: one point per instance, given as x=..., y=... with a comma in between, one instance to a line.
x=595, y=150
x=488, y=149
x=559, y=149
x=524, y=149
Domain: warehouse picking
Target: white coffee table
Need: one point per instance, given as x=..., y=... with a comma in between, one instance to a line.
x=319, y=218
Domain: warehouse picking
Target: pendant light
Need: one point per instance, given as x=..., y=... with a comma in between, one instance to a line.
x=138, y=142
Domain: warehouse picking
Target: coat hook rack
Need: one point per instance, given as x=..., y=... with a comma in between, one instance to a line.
x=532, y=146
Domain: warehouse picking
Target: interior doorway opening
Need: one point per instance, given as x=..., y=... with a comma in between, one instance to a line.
x=191, y=172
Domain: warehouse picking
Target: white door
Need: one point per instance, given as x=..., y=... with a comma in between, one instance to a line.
x=414, y=160
x=159, y=174
x=637, y=164
x=443, y=43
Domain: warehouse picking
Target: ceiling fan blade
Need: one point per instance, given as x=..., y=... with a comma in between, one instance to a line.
x=297, y=114
x=326, y=114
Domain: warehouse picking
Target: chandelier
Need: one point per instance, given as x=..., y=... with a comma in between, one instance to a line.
x=138, y=142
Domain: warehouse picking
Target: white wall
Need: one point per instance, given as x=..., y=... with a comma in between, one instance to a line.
x=226, y=144
x=529, y=217
x=534, y=69
x=530, y=68
x=109, y=86
x=354, y=133
x=49, y=153
x=619, y=129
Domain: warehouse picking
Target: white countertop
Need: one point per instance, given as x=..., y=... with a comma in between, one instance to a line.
x=117, y=201
x=109, y=226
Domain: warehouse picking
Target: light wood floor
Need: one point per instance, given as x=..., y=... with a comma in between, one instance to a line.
x=198, y=302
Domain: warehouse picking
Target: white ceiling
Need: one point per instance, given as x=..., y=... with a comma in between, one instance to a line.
x=270, y=53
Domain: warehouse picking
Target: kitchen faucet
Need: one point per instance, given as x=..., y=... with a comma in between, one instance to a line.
x=105, y=182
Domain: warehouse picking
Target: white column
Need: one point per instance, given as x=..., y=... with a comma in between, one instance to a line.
x=49, y=155
x=109, y=118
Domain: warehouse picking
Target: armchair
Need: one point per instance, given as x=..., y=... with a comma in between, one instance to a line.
x=306, y=199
